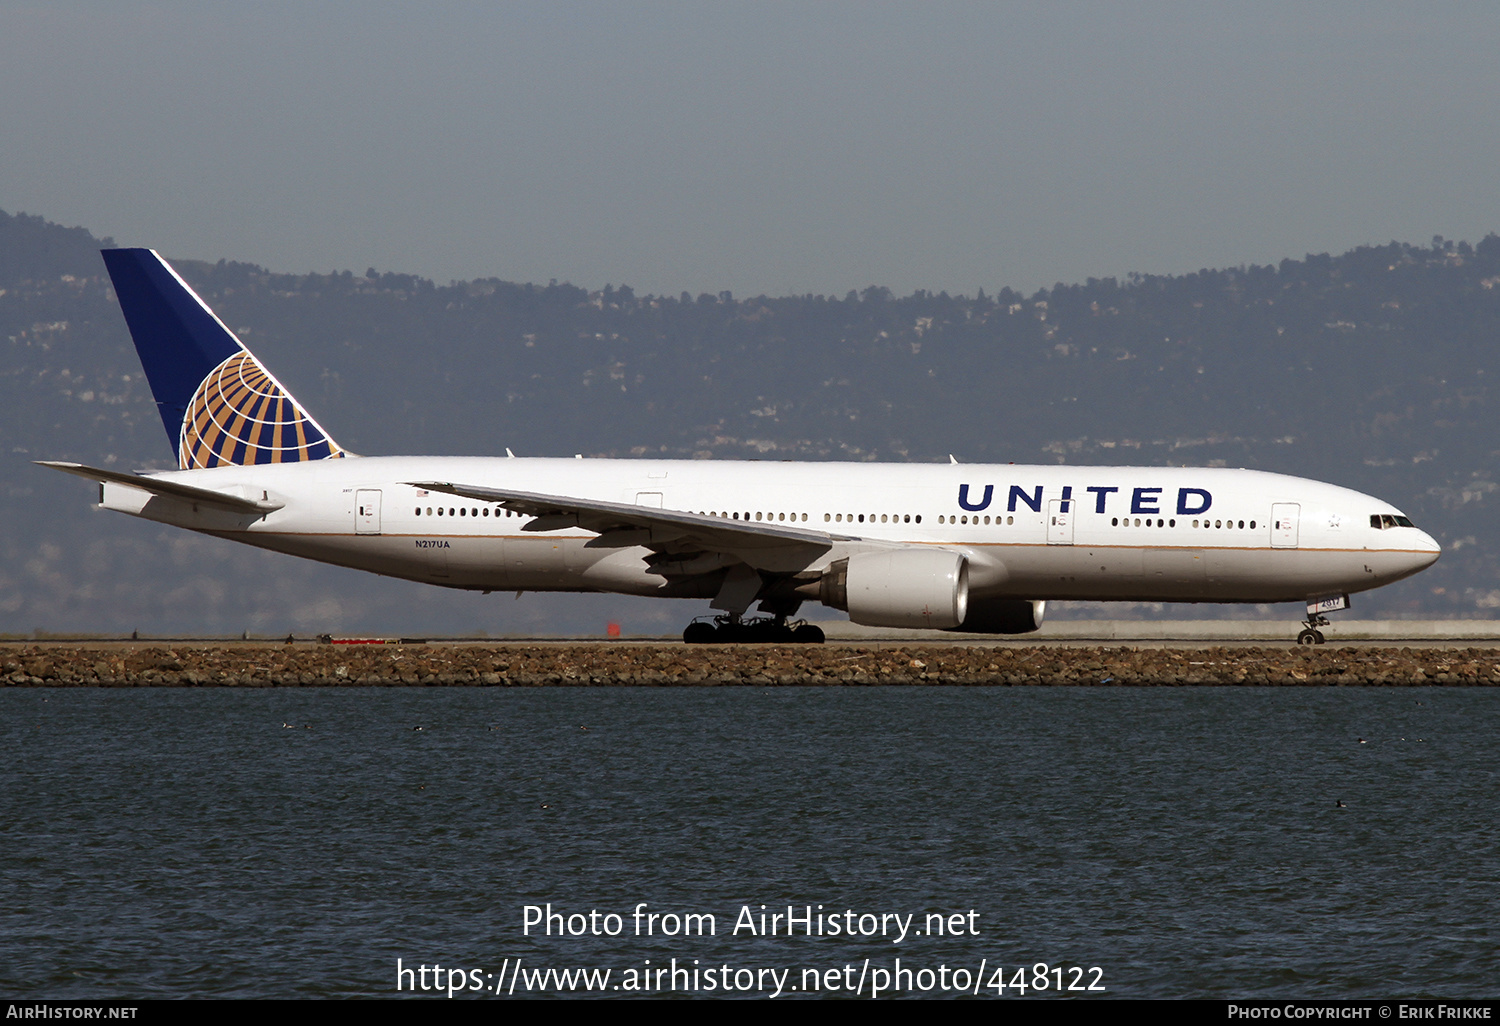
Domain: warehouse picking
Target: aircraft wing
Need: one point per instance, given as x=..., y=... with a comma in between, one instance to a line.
x=171, y=489
x=663, y=526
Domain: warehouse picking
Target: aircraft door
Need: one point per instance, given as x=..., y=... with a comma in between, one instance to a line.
x=367, y=511
x=1284, y=516
x=1060, y=522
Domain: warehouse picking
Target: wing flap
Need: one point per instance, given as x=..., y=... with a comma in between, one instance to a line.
x=171, y=489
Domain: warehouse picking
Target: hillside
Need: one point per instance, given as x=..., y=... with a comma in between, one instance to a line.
x=1371, y=369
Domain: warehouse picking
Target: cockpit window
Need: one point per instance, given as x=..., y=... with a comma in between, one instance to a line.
x=1385, y=521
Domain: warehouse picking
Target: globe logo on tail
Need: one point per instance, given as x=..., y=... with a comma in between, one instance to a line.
x=240, y=415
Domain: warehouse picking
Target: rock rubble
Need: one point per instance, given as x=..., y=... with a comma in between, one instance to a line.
x=673, y=665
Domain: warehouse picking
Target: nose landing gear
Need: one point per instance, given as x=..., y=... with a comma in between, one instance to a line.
x=1310, y=634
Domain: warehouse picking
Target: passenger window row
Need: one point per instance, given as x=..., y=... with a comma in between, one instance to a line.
x=1381, y=521
x=1156, y=522
x=893, y=518
x=461, y=511
x=736, y=515
x=1376, y=520
x=828, y=518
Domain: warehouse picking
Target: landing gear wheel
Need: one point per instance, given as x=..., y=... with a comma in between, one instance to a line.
x=807, y=634
x=700, y=632
x=1311, y=635
x=761, y=631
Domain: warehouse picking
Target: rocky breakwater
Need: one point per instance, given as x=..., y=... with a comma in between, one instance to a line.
x=669, y=665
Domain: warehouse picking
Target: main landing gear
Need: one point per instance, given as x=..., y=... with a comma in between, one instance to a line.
x=771, y=630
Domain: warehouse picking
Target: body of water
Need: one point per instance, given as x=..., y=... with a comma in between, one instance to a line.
x=1187, y=842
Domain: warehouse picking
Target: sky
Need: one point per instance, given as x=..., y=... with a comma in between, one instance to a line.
x=776, y=148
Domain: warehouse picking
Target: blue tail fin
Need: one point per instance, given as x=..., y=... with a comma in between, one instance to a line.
x=219, y=403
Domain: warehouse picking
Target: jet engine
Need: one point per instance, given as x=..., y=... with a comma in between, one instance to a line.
x=907, y=588
x=1002, y=616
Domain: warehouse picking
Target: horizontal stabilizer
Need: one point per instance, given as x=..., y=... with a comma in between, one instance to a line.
x=171, y=489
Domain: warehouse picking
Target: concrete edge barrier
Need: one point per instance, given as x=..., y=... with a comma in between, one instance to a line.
x=1193, y=630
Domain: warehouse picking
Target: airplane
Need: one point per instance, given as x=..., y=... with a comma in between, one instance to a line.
x=965, y=548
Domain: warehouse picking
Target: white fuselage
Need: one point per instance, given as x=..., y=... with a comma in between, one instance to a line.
x=1032, y=532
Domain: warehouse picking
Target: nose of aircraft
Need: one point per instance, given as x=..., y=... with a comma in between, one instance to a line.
x=1424, y=552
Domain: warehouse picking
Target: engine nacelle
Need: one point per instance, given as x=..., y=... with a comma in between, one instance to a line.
x=907, y=588
x=1003, y=616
